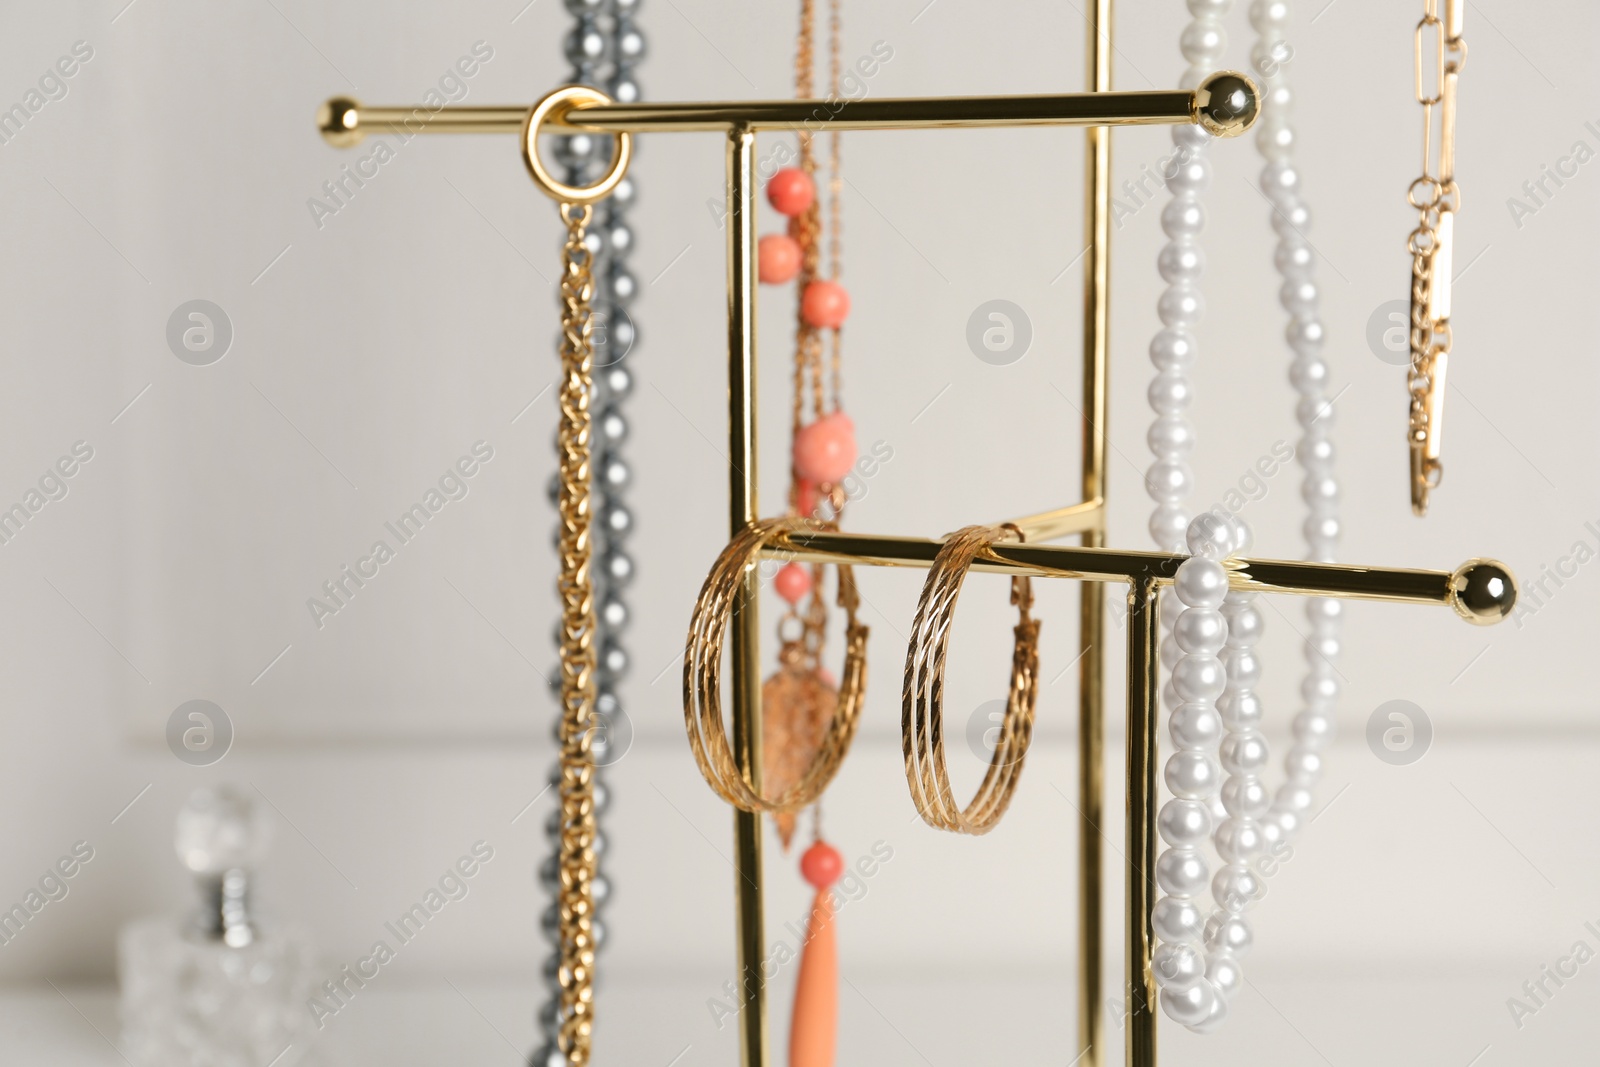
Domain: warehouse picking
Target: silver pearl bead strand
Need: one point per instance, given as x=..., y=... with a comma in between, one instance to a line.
x=604, y=47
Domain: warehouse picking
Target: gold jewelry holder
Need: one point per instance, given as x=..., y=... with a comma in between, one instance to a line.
x=1480, y=591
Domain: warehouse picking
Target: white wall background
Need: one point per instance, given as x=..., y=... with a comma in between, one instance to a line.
x=373, y=350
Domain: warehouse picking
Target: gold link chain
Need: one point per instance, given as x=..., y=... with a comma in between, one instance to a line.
x=575, y=441
x=1436, y=197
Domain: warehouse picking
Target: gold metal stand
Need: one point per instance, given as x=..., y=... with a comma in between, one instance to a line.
x=743, y=500
x=1092, y=595
x=1144, y=696
x=1226, y=104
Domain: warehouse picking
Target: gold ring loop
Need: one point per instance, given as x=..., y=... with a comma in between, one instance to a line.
x=565, y=99
x=922, y=693
x=1429, y=185
x=702, y=675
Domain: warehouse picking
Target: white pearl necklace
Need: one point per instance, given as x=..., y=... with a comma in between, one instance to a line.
x=1308, y=373
x=1197, y=972
x=1209, y=646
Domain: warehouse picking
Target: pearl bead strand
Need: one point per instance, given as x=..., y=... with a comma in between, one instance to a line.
x=1181, y=966
x=1169, y=479
x=1308, y=373
x=1193, y=636
x=1209, y=649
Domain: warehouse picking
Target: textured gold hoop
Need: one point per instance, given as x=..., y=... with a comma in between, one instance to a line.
x=922, y=693
x=565, y=99
x=702, y=676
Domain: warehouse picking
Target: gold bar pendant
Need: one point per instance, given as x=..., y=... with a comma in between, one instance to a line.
x=1436, y=408
x=1441, y=263
x=1447, y=129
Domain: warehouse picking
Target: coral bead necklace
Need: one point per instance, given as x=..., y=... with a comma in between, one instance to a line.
x=798, y=700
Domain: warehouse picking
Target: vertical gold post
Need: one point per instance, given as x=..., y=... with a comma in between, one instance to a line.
x=1144, y=690
x=746, y=645
x=1097, y=268
x=1091, y=623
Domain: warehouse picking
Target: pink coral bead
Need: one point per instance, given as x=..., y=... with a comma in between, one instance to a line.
x=778, y=258
x=825, y=451
x=821, y=865
x=825, y=305
x=793, y=582
x=791, y=191
x=806, y=498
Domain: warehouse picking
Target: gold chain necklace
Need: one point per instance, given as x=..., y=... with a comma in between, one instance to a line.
x=578, y=861
x=1436, y=197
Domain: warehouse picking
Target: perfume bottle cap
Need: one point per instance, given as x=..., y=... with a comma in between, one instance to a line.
x=220, y=829
x=221, y=835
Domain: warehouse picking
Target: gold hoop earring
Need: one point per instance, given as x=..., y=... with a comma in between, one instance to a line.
x=702, y=676
x=922, y=694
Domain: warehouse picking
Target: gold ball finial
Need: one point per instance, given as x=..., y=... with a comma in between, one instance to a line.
x=339, y=119
x=1483, y=591
x=1226, y=104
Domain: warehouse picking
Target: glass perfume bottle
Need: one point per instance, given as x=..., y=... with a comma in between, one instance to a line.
x=218, y=989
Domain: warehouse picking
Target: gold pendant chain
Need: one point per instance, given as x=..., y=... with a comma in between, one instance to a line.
x=575, y=440
x=824, y=389
x=805, y=228
x=835, y=186
x=1436, y=197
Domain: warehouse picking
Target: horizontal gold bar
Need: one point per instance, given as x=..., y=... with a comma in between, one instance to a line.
x=1072, y=519
x=409, y=120
x=1066, y=109
x=1479, y=590
x=344, y=121
x=896, y=113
